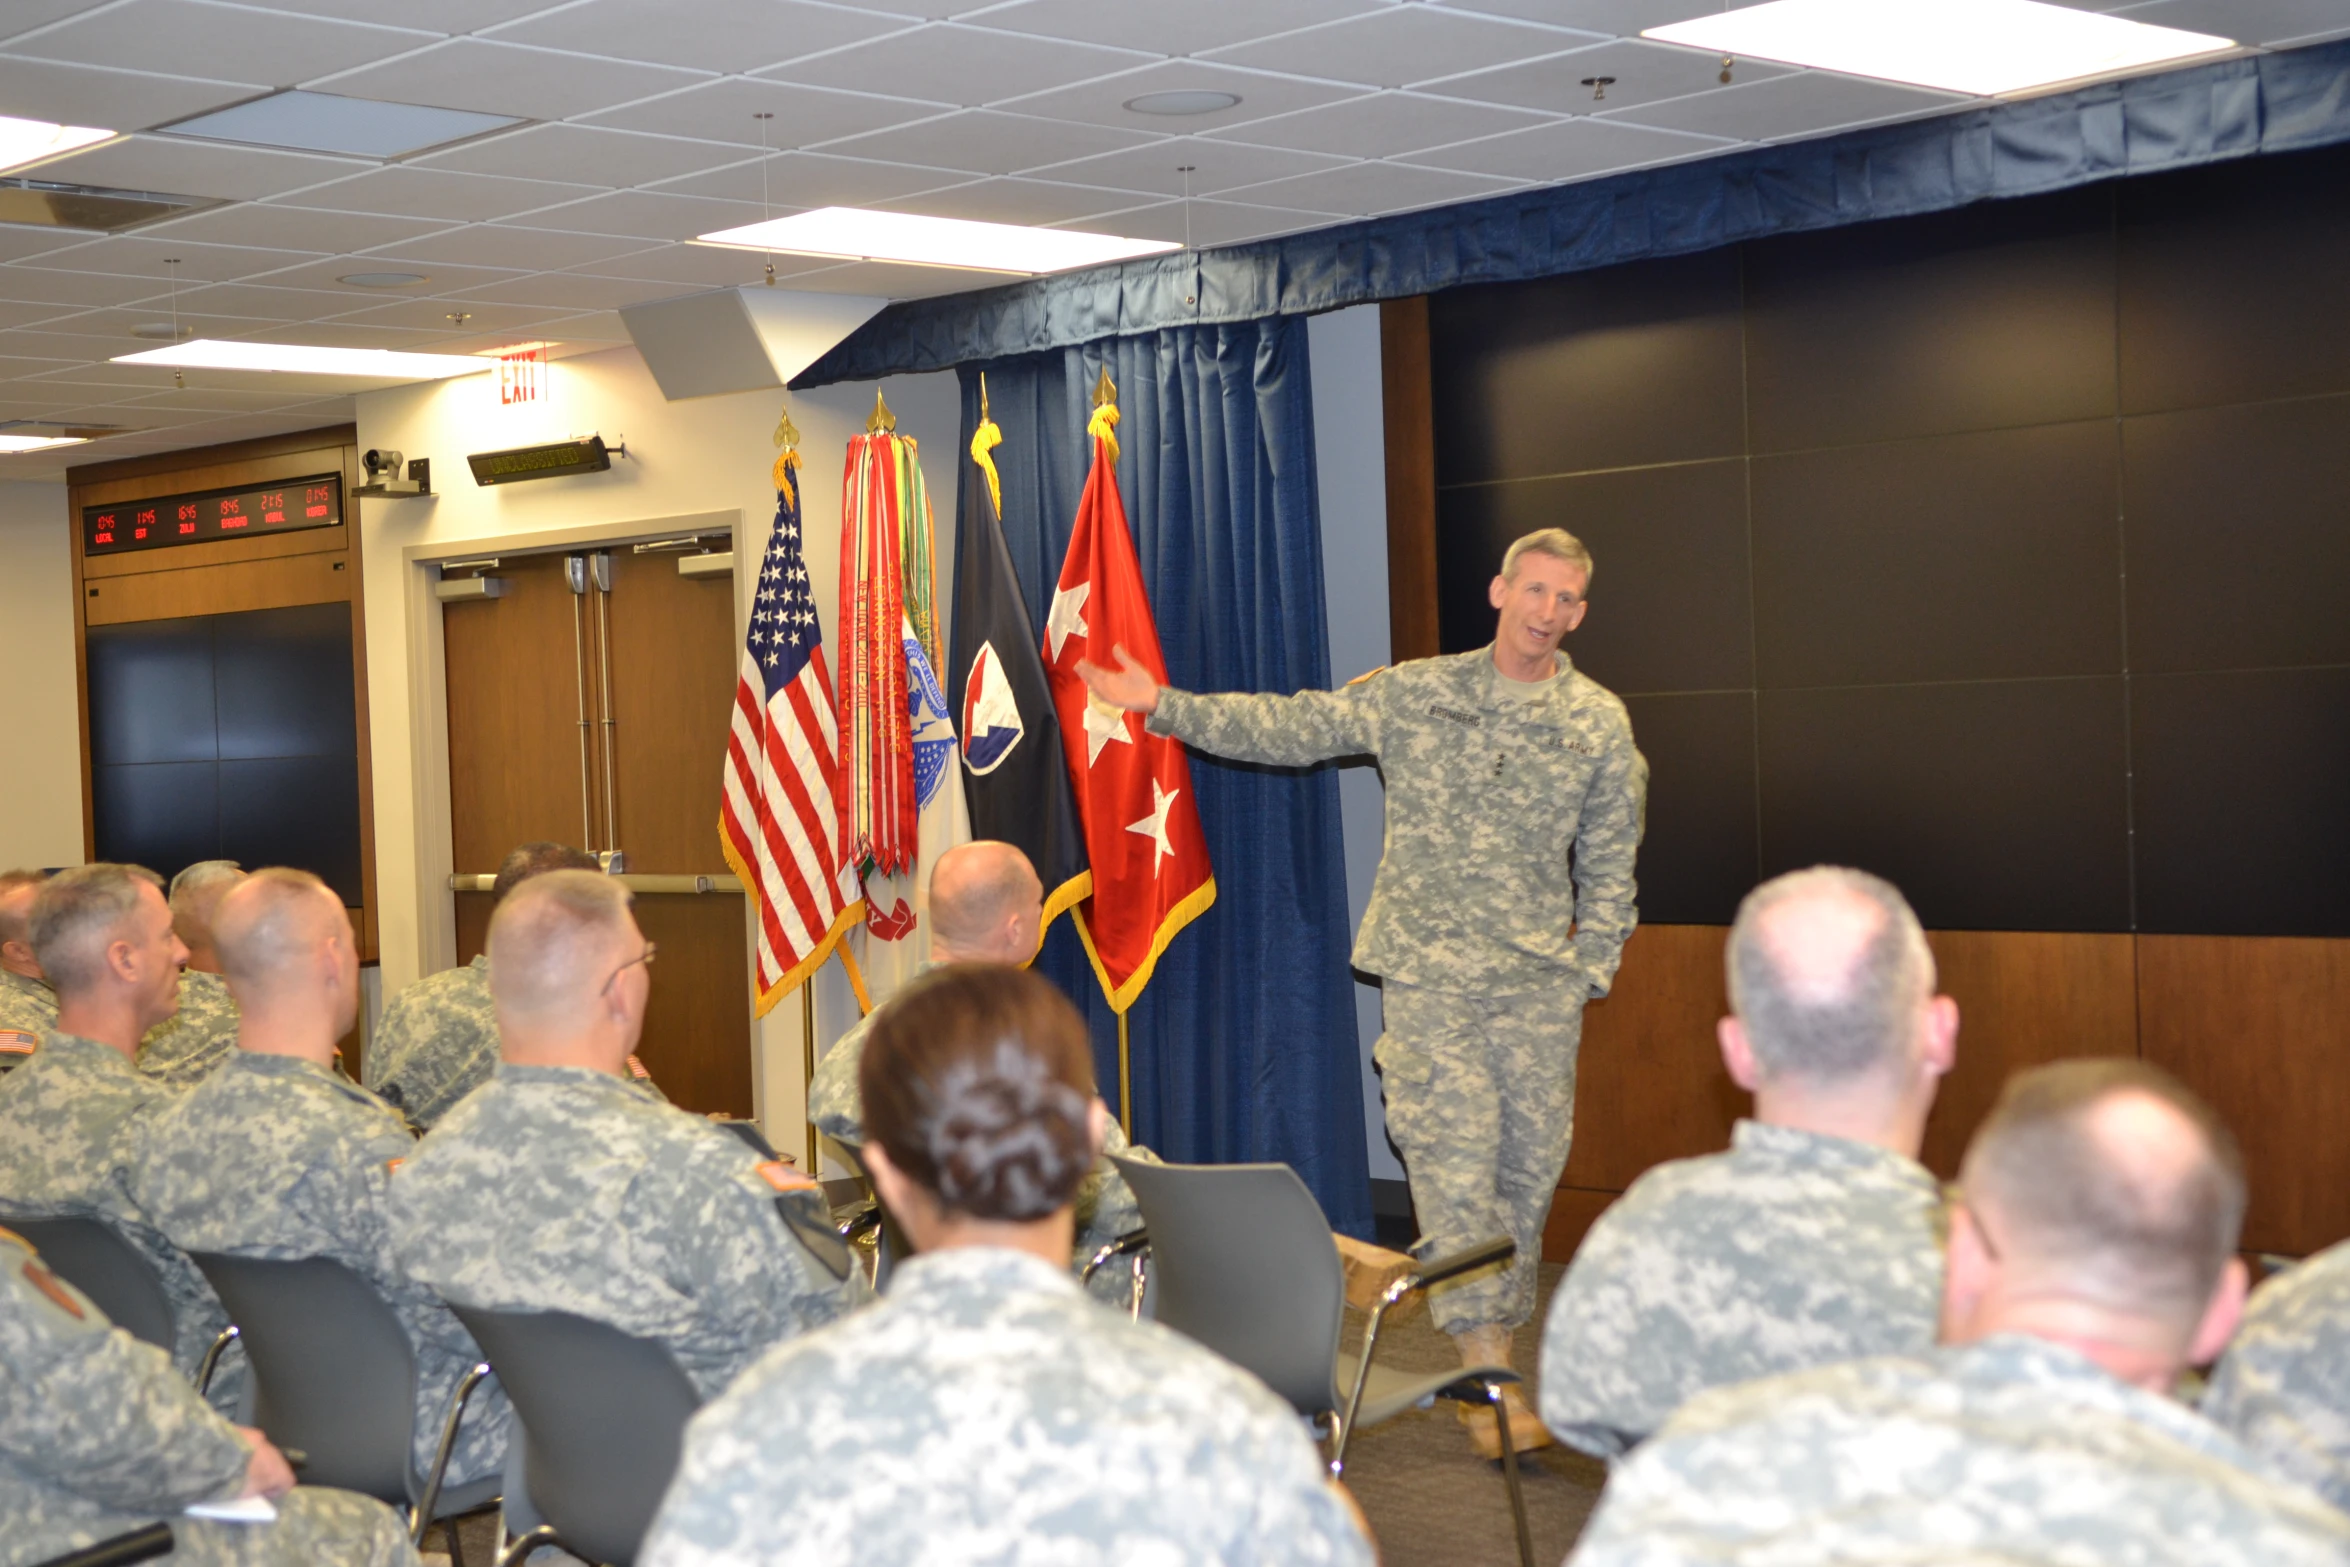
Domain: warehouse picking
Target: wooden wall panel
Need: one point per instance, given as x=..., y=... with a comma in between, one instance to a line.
x=2024, y=997
x=1650, y=1084
x=2256, y=1024
x=220, y=590
x=1408, y=399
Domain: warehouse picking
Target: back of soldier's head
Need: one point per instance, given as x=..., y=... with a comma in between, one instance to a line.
x=1828, y=973
x=975, y=889
x=78, y=913
x=536, y=859
x=195, y=892
x=2108, y=1181
x=554, y=941
x=17, y=891
x=270, y=926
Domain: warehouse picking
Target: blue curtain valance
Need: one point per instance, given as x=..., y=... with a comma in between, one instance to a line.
x=2235, y=108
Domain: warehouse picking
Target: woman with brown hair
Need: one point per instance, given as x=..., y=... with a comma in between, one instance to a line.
x=985, y=1409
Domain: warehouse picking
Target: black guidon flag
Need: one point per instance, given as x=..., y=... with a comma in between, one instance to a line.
x=1014, y=781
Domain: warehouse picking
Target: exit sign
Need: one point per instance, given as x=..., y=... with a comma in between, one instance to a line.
x=522, y=375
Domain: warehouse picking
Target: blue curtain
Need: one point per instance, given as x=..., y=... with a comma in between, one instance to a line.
x=2269, y=103
x=1243, y=1047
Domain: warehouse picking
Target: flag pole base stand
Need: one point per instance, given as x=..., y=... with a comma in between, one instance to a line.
x=808, y=1071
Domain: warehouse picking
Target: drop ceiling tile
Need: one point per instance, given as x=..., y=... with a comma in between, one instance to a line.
x=891, y=280
x=594, y=328
x=28, y=282
x=15, y=314
x=1209, y=223
x=349, y=334
x=217, y=399
x=426, y=315
x=589, y=155
x=293, y=228
x=24, y=16
x=1620, y=18
x=439, y=16
x=14, y=361
x=223, y=42
x=494, y=78
x=689, y=266
x=2247, y=21
x=1568, y=150
x=1104, y=102
x=326, y=277
x=1643, y=72
x=272, y=302
x=1368, y=189
x=500, y=245
x=123, y=100
x=196, y=168
x=1156, y=169
x=1036, y=202
x=722, y=111
x=1403, y=44
x=19, y=240
x=1783, y=106
x=965, y=65
x=1383, y=125
x=710, y=35
x=566, y=291
x=85, y=348
x=406, y=191
x=1189, y=28
x=983, y=141
x=643, y=216
x=143, y=255
x=812, y=179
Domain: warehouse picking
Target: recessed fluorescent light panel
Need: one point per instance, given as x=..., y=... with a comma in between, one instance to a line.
x=853, y=234
x=380, y=364
x=32, y=141
x=326, y=122
x=1984, y=47
x=11, y=442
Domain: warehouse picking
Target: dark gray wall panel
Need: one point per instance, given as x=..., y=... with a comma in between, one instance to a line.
x=1961, y=557
x=1996, y=806
x=2242, y=800
x=1607, y=369
x=285, y=682
x=1989, y=316
x=294, y=810
x=1670, y=606
x=1698, y=857
x=2238, y=529
x=163, y=815
x=151, y=695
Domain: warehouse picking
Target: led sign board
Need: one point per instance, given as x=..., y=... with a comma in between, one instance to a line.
x=167, y=520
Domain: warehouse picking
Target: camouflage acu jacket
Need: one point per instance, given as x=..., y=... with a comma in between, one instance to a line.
x=1791, y=1250
x=99, y=1436
x=182, y=1050
x=273, y=1156
x=1509, y=823
x=28, y=1009
x=2284, y=1385
x=2013, y=1450
x=985, y=1411
x=72, y=1121
x=436, y=1042
x=564, y=1189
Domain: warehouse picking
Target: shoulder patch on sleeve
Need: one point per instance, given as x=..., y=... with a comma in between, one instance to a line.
x=392, y=1166
x=1367, y=674
x=782, y=1176
x=636, y=1069
x=37, y=1274
x=16, y=1042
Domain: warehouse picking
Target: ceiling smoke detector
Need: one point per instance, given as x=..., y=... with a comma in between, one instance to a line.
x=162, y=332
x=383, y=279
x=1188, y=100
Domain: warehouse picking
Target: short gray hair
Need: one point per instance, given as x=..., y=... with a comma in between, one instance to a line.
x=198, y=887
x=1826, y=1028
x=265, y=927
x=1558, y=544
x=547, y=937
x=77, y=913
x=2098, y=1213
x=14, y=921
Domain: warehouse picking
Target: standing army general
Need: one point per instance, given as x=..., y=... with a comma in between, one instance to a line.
x=1514, y=809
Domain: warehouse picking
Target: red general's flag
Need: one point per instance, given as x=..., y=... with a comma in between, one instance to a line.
x=1151, y=875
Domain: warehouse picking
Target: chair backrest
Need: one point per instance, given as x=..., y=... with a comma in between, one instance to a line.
x=93, y=1257
x=1242, y=1261
x=603, y=1417
x=333, y=1372
x=892, y=1247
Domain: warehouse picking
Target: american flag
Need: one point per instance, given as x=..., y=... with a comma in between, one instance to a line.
x=778, y=821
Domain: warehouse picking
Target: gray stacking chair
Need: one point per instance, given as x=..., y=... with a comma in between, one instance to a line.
x=334, y=1377
x=93, y=1257
x=1242, y=1259
x=602, y=1417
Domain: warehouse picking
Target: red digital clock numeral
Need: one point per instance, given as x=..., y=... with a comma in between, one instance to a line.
x=188, y=514
x=232, y=513
x=273, y=506
x=103, y=524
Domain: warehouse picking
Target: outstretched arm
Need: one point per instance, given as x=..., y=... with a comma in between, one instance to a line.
x=1287, y=731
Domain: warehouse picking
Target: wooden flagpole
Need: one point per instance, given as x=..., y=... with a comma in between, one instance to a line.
x=1125, y=1084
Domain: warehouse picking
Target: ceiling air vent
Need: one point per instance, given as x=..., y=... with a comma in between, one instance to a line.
x=55, y=204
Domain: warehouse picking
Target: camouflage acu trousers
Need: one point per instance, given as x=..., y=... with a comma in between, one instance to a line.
x=1480, y=1097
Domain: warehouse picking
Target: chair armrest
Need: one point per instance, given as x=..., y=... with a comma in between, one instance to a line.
x=1125, y=1245
x=859, y=1220
x=1482, y=1254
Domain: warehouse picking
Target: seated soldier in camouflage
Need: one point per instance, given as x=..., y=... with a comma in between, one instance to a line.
x=1816, y=1237
x=273, y=1155
x=184, y=1048
x=437, y=1040
x=2283, y=1387
x=28, y=1007
x=100, y=1437
x=983, y=1410
x=560, y=1186
x=2091, y=1260
x=72, y=1119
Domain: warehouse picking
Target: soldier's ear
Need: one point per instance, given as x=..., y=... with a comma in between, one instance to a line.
x=1499, y=591
x=2220, y=1317
x=1738, y=1054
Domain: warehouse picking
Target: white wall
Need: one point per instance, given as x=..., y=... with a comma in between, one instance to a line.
x=1350, y=468
x=40, y=726
x=709, y=454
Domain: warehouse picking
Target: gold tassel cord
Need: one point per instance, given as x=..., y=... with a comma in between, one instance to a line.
x=984, y=441
x=1103, y=426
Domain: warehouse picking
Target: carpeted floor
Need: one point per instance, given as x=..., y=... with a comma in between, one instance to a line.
x=1431, y=1500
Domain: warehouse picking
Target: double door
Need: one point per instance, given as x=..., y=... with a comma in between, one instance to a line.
x=589, y=704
